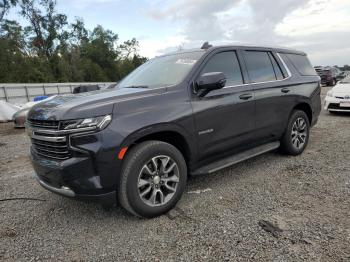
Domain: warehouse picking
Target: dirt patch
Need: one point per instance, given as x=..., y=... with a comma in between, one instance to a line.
x=8, y=232
x=8, y=129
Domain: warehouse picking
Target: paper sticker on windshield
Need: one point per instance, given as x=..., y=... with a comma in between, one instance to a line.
x=186, y=61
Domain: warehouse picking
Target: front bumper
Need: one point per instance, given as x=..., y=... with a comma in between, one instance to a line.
x=106, y=200
x=89, y=172
x=63, y=190
x=334, y=104
x=73, y=178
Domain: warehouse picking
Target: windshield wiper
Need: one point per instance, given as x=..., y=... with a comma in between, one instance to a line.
x=135, y=86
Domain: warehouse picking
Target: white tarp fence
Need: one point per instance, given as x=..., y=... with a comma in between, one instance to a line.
x=22, y=93
x=7, y=110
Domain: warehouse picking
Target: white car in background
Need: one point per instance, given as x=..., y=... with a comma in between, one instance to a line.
x=338, y=98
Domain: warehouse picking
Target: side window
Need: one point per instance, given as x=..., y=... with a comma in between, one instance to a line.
x=276, y=67
x=302, y=64
x=227, y=63
x=259, y=66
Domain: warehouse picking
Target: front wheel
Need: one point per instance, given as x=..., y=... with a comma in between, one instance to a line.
x=296, y=136
x=153, y=179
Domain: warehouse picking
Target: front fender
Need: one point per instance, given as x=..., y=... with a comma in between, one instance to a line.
x=159, y=128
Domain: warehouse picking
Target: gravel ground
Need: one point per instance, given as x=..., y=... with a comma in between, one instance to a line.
x=270, y=208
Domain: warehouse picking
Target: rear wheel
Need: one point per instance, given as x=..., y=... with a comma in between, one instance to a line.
x=153, y=179
x=332, y=82
x=296, y=136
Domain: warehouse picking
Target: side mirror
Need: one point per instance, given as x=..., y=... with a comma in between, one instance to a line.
x=209, y=82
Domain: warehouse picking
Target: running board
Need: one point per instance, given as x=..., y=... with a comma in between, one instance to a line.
x=231, y=160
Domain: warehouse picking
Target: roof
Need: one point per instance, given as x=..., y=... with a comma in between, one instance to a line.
x=241, y=46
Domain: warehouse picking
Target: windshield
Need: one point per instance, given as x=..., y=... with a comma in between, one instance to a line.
x=161, y=71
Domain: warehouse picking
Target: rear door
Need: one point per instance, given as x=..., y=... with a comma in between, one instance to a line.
x=272, y=98
x=224, y=118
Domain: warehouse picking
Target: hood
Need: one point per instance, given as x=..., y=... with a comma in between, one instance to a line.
x=342, y=88
x=84, y=105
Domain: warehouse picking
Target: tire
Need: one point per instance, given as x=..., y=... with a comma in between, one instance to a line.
x=296, y=136
x=332, y=83
x=148, y=187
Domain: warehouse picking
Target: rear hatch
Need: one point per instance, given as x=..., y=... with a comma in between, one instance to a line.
x=325, y=75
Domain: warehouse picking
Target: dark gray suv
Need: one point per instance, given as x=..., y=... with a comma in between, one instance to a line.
x=191, y=112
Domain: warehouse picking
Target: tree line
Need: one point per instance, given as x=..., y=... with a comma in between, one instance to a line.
x=344, y=68
x=50, y=49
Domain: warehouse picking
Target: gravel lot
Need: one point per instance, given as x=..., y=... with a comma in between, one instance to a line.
x=225, y=216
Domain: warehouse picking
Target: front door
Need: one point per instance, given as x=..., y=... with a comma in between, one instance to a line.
x=224, y=118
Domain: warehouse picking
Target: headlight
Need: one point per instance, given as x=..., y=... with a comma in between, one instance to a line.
x=330, y=94
x=97, y=123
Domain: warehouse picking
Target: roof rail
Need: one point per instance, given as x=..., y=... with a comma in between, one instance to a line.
x=206, y=45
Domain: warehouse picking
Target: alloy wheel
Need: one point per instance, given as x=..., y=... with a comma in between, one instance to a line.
x=158, y=181
x=299, y=133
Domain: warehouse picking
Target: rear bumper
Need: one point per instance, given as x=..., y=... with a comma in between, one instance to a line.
x=326, y=80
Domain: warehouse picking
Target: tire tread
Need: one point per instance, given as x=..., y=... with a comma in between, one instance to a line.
x=286, y=146
x=131, y=157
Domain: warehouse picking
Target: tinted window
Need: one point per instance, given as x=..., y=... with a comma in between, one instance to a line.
x=228, y=64
x=162, y=71
x=302, y=64
x=259, y=66
x=326, y=72
x=276, y=67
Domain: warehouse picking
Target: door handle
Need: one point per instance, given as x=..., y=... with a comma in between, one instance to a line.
x=285, y=90
x=245, y=96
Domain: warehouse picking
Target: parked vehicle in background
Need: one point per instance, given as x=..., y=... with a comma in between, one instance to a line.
x=84, y=89
x=338, y=98
x=189, y=112
x=342, y=75
x=318, y=69
x=20, y=117
x=329, y=75
x=110, y=86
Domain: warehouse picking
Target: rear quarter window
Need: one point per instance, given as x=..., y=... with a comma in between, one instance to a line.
x=302, y=64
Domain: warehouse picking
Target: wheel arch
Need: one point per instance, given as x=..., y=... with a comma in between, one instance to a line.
x=168, y=133
x=303, y=106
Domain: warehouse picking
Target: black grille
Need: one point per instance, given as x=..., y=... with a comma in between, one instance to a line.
x=56, y=150
x=48, y=143
x=45, y=124
x=46, y=140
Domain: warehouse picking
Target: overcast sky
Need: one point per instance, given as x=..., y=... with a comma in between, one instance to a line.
x=319, y=27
